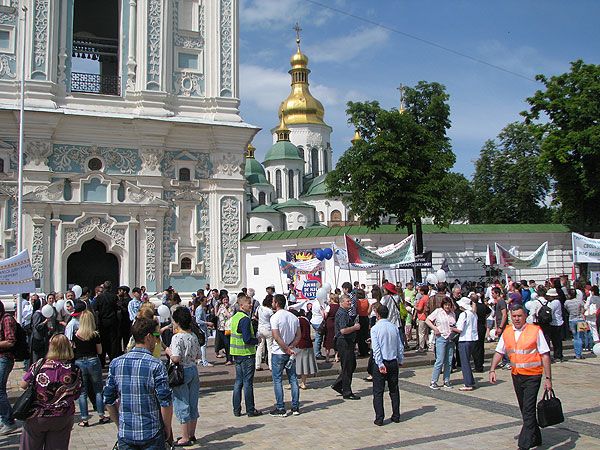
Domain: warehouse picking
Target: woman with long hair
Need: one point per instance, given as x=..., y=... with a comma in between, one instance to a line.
x=86, y=349
x=330, y=311
x=185, y=350
x=224, y=314
x=57, y=385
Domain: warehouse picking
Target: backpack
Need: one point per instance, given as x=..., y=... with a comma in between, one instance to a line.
x=194, y=328
x=20, y=350
x=544, y=314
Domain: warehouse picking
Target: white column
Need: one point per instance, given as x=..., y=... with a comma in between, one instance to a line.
x=131, y=59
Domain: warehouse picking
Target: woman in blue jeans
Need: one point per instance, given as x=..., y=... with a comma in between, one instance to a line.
x=185, y=350
x=441, y=321
x=86, y=348
x=576, y=308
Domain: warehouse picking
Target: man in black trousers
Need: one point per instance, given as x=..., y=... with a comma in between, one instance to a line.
x=388, y=353
x=345, y=337
x=106, y=305
x=483, y=311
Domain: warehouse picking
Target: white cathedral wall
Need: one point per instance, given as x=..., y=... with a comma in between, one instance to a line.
x=460, y=251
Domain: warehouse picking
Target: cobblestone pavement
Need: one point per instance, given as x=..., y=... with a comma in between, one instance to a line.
x=487, y=417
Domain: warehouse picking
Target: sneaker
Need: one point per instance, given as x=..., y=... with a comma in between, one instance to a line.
x=466, y=388
x=278, y=413
x=295, y=411
x=255, y=413
x=207, y=364
x=447, y=385
x=7, y=429
x=434, y=386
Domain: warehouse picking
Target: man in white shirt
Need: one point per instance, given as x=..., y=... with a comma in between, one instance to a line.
x=286, y=335
x=315, y=322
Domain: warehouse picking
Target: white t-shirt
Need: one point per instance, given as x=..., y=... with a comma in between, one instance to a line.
x=534, y=306
x=264, y=317
x=557, y=318
x=467, y=324
x=542, y=345
x=317, y=313
x=287, y=324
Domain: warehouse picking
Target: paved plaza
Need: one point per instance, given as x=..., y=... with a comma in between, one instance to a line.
x=485, y=418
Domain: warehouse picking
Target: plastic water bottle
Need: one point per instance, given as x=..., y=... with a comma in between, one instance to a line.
x=291, y=361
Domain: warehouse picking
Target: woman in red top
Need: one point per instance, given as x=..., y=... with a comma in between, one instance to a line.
x=306, y=364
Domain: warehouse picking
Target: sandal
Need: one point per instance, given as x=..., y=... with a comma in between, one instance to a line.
x=104, y=420
x=84, y=423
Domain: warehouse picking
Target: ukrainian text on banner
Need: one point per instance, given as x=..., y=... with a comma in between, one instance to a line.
x=15, y=274
x=310, y=266
x=422, y=261
x=387, y=257
x=585, y=249
x=538, y=258
x=340, y=259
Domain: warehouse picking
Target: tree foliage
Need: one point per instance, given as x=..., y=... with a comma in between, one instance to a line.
x=400, y=165
x=566, y=114
x=508, y=186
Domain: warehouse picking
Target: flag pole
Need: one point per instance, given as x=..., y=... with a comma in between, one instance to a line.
x=21, y=143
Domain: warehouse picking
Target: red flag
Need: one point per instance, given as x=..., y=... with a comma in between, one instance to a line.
x=573, y=273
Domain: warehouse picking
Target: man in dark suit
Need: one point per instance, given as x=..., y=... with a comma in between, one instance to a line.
x=106, y=305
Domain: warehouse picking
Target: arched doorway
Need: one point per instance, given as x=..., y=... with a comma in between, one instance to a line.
x=92, y=266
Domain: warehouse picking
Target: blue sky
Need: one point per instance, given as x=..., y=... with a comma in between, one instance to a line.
x=354, y=60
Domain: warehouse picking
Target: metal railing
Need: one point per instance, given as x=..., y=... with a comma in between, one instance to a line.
x=95, y=83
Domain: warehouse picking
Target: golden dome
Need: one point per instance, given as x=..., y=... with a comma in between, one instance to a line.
x=300, y=107
x=356, y=137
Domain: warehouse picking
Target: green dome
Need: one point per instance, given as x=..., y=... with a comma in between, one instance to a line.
x=283, y=150
x=255, y=172
x=292, y=203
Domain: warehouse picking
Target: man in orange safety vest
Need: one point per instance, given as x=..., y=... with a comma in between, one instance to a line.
x=529, y=356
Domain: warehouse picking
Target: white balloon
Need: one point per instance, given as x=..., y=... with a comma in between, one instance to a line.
x=327, y=287
x=47, y=311
x=321, y=294
x=441, y=275
x=76, y=290
x=164, y=312
x=431, y=279
x=596, y=349
x=60, y=305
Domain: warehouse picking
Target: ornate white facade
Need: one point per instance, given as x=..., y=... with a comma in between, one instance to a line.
x=134, y=145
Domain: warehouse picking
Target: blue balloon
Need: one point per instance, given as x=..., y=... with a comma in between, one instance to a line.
x=328, y=253
x=319, y=254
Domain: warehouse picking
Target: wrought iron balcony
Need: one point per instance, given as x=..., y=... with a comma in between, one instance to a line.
x=95, y=84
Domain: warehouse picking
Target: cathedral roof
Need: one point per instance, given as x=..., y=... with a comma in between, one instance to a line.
x=316, y=186
x=292, y=203
x=255, y=172
x=265, y=209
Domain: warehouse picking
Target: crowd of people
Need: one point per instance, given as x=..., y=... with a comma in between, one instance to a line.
x=153, y=348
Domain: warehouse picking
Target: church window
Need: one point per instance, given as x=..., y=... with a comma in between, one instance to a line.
x=95, y=164
x=186, y=264
x=1, y=165
x=301, y=228
x=121, y=192
x=5, y=41
x=321, y=216
x=278, y=190
x=262, y=198
x=314, y=155
x=269, y=177
x=188, y=15
x=184, y=174
x=325, y=168
x=67, y=190
x=95, y=42
x=187, y=61
x=336, y=216
x=269, y=228
x=301, y=152
x=291, y=184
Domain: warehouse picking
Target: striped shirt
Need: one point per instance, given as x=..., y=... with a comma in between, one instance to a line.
x=140, y=383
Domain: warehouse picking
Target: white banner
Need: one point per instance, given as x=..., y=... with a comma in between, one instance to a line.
x=16, y=276
x=585, y=249
x=538, y=258
x=309, y=266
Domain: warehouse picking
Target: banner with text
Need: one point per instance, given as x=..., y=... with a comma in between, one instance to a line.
x=585, y=249
x=357, y=257
x=305, y=271
x=16, y=276
x=537, y=259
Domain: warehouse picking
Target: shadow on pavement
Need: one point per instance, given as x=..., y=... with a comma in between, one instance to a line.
x=406, y=416
x=559, y=438
x=226, y=433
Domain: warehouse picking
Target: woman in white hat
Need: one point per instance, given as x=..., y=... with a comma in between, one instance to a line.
x=466, y=325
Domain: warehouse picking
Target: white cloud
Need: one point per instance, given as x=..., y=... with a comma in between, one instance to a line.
x=278, y=14
x=524, y=60
x=347, y=47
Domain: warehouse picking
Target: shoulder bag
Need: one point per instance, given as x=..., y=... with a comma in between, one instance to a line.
x=175, y=374
x=549, y=410
x=24, y=404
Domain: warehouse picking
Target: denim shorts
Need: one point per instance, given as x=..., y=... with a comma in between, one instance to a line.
x=185, y=397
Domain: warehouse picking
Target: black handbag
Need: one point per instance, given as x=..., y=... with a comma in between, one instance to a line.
x=23, y=405
x=322, y=328
x=175, y=374
x=549, y=410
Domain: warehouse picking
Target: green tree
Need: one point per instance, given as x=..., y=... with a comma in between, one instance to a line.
x=566, y=114
x=507, y=185
x=400, y=165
